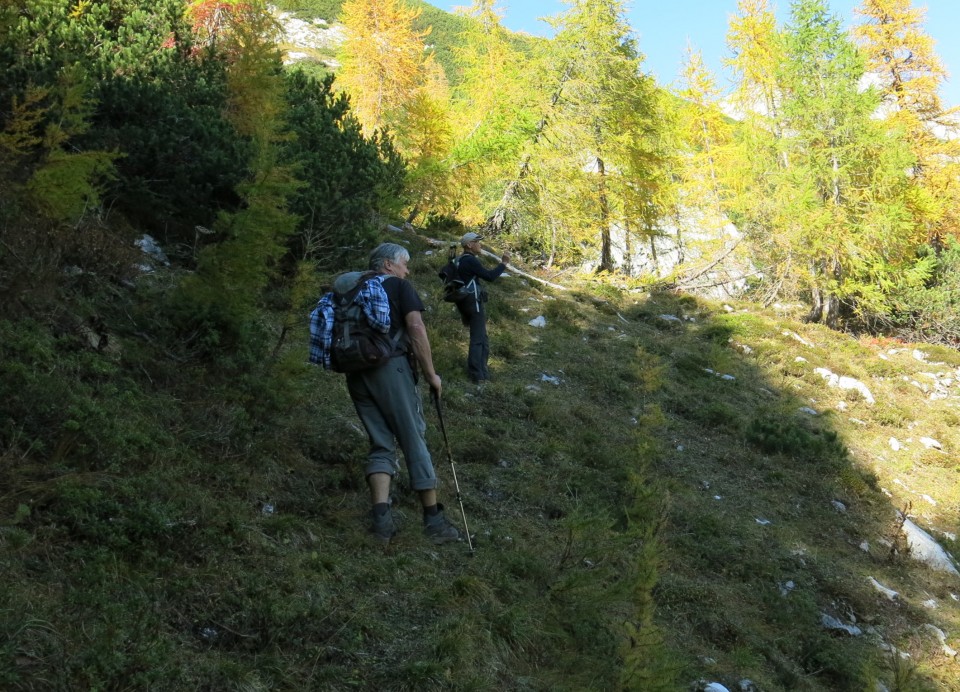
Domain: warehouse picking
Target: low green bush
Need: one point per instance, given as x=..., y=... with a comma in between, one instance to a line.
x=931, y=313
x=789, y=437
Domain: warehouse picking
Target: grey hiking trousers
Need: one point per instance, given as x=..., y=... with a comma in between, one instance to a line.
x=389, y=405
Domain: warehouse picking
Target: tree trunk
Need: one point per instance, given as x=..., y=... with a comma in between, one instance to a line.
x=816, y=306
x=606, y=249
x=627, y=250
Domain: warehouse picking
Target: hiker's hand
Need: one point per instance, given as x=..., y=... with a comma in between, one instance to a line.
x=505, y=257
x=434, y=382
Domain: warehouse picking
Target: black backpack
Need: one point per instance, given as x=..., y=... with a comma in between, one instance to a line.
x=356, y=345
x=455, y=289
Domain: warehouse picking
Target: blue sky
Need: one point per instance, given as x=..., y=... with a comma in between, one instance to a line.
x=664, y=27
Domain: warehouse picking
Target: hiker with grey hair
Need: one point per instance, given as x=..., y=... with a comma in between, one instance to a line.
x=389, y=405
x=472, y=312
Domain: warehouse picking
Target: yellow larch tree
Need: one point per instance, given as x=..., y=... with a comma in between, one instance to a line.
x=424, y=137
x=494, y=109
x=382, y=59
x=762, y=207
x=901, y=55
x=752, y=38
x=705, y=137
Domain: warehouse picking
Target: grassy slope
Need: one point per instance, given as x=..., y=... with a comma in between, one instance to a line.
x=230, y=552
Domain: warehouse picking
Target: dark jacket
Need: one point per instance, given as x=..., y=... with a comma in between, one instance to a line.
x=470, y=267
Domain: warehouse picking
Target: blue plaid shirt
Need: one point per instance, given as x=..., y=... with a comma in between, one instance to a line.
x=371, y=298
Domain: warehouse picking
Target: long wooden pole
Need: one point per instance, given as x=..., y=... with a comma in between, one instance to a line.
x=511, y=267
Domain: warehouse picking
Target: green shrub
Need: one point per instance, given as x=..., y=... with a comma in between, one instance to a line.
x=891, y=414
x=719, y=415
x=931, y=313
x=793, y=439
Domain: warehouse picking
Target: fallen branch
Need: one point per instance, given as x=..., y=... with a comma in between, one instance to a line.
x=688, y=280
x=511, y=267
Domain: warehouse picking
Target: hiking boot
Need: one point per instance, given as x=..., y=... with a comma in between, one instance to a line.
x=383, y=527
x=438, y=529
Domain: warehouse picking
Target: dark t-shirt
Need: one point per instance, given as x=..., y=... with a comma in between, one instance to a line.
x=404, y=299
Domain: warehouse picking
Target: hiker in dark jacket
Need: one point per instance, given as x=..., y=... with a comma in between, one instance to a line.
x=389, y=405
x=472, y=311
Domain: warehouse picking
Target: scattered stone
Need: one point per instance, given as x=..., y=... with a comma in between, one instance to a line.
x=931, y=443
x=670, y=318
x=839, y=506
x=924, y=548
x=797, y=337
x=831, y=623
x=844, y=382
x=809, y=411
x=785, y=589
x=540, y=321
x=889, y=593
x=865, y=547
x=715, y=687
x=722, y=377
x=938, y=633
x=549, y=378
x=149, y=246
x=762, y=522
x=895, y=444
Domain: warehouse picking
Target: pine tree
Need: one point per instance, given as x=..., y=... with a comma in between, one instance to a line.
x=347, y=178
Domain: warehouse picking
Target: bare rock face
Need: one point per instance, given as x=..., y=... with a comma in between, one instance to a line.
x=302, y=39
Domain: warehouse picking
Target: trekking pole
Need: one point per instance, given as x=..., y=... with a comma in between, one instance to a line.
x=446, y=442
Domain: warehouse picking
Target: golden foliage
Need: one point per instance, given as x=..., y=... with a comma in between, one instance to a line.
x=383, y=59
